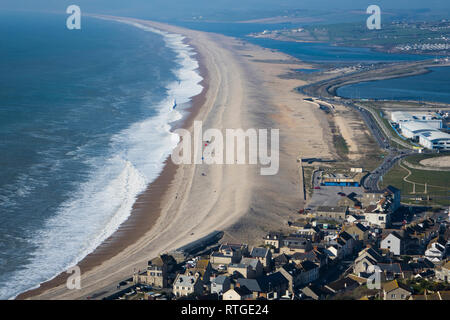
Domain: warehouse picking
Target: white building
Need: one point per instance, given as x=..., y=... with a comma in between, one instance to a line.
x=433, y=119
x=401, y=116
x=380, y=219
x=393, y=243
x=435, y=253
x=435, y=140
x=412, y=129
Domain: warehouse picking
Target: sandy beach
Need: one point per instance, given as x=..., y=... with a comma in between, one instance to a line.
x=242, y=89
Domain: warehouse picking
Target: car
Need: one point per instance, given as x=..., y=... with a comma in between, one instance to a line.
x=316, y=188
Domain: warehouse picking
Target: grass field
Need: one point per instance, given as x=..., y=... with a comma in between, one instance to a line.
x=415, y=159
x=438, y=184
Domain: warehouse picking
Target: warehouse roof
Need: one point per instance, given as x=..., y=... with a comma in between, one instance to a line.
x=435, y=135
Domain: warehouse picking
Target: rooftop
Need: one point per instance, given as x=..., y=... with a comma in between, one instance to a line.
x=417, y=126
x=435, y=135
x=332, y=209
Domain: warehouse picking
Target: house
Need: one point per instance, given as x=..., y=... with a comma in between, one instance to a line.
x=157, y=271
x=371, y=198
x=393, y=194
x=292, y=274
x=391, y=271
x=293, y=244
x=423, y=232
x=271, y=286
x=443, y=272
x=342, y=285
x=390, y=198
x=417, y=267
x=185, y=285
x=229, y=253
x=335, y=213
x=238, y=293
x=264, y=255
x=318, y=256
x=220, y=284
x=248, y=267
x=309, y=272
x=202, y=270
x=299, y=274
x=394, y=243
x=351, y=200
x=309, y=231
x=435, y=252
x=273, y=239
x=281, y=260
x=438, y=295
x=316, y=292
x=366, y=260
x=346, y=242
x=394, y=290
x=333, y=252
x=358, y=232
x=375, y=217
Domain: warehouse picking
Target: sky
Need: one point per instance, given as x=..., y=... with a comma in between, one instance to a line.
x=219, y=9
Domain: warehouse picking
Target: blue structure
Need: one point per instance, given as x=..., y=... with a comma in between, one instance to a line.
x=341, y=184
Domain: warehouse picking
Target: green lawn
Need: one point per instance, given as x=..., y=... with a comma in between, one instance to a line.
x=438, y=184
x=415, y=159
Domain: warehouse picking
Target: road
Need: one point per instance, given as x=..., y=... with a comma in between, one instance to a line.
x=370, y=182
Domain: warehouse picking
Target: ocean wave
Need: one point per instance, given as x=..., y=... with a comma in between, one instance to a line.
x=104, y=202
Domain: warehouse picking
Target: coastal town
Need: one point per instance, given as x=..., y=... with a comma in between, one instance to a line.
x=420, y=37
x=367, y=246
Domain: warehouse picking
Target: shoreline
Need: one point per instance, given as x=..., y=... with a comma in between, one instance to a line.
x=245, y=90
x=141, y=218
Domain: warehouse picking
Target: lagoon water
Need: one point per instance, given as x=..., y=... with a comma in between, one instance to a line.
x=85, y=120
x=433, y=86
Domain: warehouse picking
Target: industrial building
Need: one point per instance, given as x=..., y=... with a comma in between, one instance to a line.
x=435, y=140
x=424, y=128
x=433, y=119
x=413, y=129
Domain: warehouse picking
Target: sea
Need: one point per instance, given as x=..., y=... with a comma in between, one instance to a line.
x=86, y=120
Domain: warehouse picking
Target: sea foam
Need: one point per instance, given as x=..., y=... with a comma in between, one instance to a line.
x=104, y=202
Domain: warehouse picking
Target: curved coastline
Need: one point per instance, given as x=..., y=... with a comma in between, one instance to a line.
x=244, y=90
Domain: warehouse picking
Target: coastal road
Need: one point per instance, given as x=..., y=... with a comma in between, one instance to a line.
x=371, y=181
